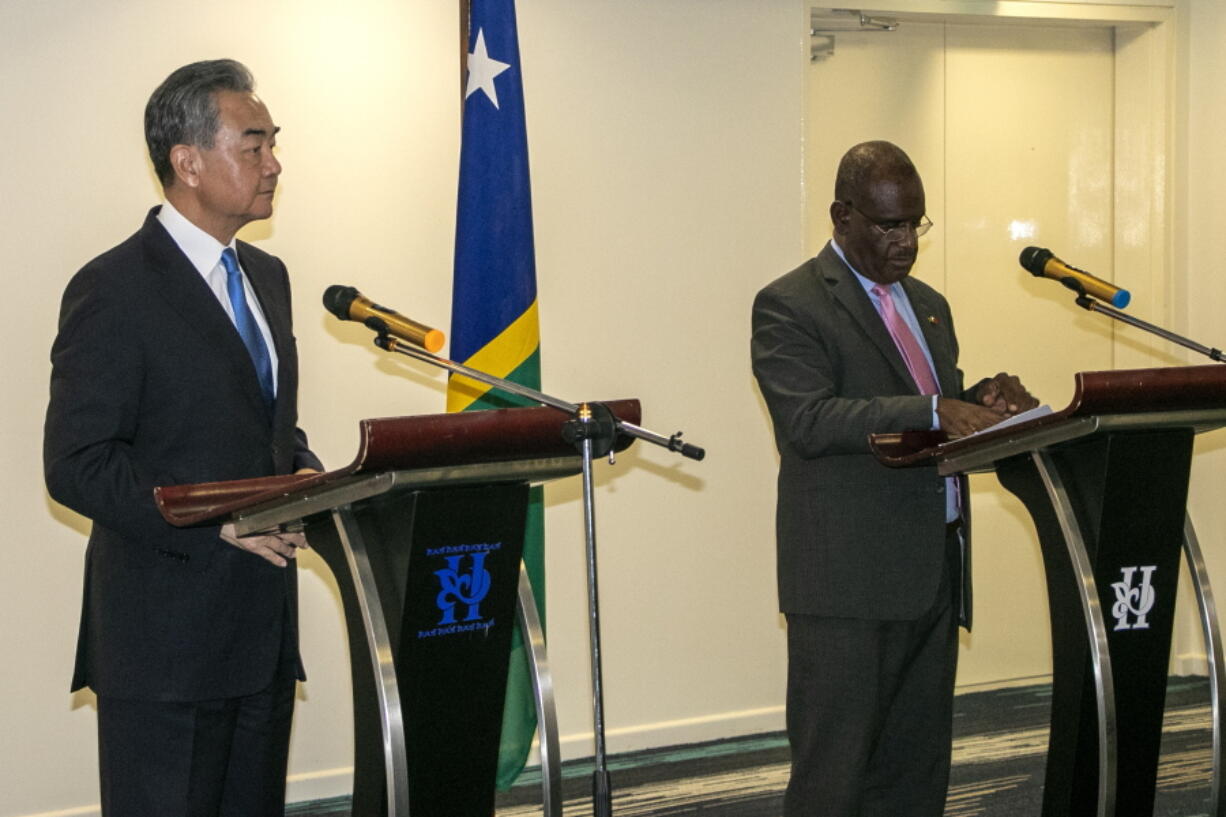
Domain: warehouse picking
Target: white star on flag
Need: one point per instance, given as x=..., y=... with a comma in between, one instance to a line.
x=482, y=70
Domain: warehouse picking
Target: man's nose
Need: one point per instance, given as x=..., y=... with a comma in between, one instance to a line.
x=909, y=237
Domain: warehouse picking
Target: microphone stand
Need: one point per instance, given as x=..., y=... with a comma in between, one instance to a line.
x=593, y=429
x=1085, y=302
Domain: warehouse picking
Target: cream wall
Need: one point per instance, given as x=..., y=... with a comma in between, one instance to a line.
x=666, y=159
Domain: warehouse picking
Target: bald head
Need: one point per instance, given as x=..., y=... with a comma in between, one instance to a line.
x=870, y=162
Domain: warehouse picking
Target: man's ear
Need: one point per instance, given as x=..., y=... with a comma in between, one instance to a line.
x=185, y=162
x=840, y=213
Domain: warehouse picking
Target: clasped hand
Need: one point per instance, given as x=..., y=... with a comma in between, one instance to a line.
x=277, y=548
x=998, y=398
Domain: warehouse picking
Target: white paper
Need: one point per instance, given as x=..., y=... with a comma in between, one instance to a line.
x=1039, y=411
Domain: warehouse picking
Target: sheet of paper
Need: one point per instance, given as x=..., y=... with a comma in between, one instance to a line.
x=1039, y=411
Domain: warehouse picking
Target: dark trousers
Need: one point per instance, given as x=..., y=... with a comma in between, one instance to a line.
x=221, y=758
x=870, y=710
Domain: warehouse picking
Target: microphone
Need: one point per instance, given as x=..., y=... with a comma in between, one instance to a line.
x=1043, y=264
x=348, y=304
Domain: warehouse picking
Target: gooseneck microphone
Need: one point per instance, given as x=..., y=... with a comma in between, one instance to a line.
x=1043, y=264
x=348, y=304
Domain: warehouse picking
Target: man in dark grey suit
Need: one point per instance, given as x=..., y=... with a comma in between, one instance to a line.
x=175, y=363
x=873, y=562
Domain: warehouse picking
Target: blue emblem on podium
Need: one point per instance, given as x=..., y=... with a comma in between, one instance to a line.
x=460, y=588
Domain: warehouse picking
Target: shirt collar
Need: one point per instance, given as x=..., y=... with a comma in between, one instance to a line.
x=201, y=249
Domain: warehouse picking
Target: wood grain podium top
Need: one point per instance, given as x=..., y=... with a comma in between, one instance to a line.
x=1192, y=396
x=390, y=444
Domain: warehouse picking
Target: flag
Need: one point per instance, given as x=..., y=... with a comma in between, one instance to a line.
x=494, y=324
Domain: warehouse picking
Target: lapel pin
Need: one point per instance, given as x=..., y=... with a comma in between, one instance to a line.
x=932, y=319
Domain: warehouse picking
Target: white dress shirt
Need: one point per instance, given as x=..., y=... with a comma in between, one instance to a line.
x=204, y=253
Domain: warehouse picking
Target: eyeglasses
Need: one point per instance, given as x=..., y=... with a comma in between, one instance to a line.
x=895, y=231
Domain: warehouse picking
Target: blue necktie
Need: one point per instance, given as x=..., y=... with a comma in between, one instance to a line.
x=248, y=329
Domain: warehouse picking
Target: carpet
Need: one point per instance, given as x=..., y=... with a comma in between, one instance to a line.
x=999, y=754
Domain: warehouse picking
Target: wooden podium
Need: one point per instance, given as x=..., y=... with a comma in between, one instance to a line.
x=423, y=533
x=1105, y=481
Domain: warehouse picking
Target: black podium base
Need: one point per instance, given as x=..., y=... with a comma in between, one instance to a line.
x=444, y=564
x=1123, y=496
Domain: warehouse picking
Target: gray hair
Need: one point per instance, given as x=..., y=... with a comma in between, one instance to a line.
x=869, y=162
x=183, y=109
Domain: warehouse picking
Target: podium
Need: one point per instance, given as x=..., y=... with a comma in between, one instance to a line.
x=1105, y=481
x=423, y=533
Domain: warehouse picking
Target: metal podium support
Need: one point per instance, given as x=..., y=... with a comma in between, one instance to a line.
x=542, y=693
x=1096, y=630
x=1213, y=652
x=387, y=685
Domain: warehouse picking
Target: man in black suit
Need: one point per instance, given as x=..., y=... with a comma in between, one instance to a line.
x=873, y=562
x=175, y=363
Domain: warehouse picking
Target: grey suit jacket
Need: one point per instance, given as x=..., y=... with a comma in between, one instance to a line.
x=854, y=538
x=151, y=385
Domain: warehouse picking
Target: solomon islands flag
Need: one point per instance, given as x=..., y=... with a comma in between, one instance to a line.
x=493, y=313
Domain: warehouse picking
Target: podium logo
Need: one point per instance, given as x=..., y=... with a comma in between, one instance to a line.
x=462, y=588
x=1133, y=601
x=463, y=585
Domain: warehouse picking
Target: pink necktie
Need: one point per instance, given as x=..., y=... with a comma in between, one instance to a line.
x=907, y=345
x=916, y=362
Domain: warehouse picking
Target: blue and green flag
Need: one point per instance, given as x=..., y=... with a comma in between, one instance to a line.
x=494, y=324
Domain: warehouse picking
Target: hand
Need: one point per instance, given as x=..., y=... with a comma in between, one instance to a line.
x=277, y=548
x=959, y=418
x=1005, y=395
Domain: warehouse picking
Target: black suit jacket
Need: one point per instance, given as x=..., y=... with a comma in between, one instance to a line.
x=151, y=385
x=854, y=538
